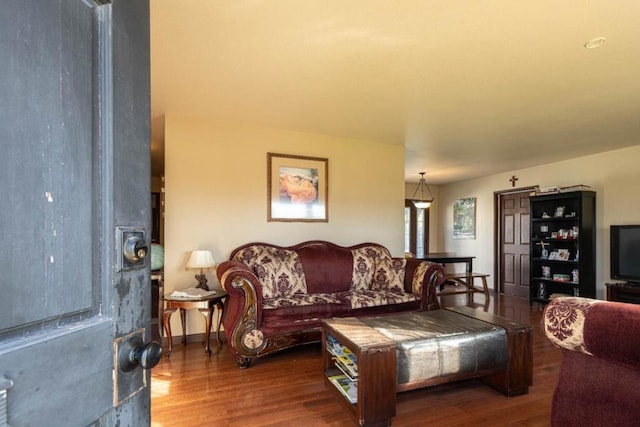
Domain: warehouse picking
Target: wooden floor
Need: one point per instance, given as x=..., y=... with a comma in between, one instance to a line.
x=287, y=389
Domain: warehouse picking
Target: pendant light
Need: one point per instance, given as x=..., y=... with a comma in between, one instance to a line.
x=423, y=202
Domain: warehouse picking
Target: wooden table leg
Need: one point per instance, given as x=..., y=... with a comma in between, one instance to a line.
x=183, y=320
x=166, y=321
x=220, y=306
x=207, y=332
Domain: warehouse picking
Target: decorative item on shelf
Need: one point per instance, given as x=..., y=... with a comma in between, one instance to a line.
x=554, y=234
x=546, y=272
x=423, y=202
x=201, y=260
x=545, y=215
x=542, y=291
x=561, y=277
x=575, y=275
x=157, y=257
x=559, y=212
x=571, y=215
x=563, y=254
x=545, y=253
x=576, y=231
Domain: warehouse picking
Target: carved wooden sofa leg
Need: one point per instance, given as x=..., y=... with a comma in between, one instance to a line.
x=243, y=362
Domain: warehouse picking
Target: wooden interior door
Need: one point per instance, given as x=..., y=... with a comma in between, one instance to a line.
x=514, y=243
x=74, y=127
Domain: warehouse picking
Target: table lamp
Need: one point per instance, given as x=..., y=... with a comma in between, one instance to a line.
x=202, y=260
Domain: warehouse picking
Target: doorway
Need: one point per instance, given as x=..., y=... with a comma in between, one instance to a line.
x=512, y=237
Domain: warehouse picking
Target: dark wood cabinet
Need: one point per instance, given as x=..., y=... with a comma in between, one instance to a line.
x=623, y=292
x=563, y=236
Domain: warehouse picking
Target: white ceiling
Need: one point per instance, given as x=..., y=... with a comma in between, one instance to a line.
x=470, y=88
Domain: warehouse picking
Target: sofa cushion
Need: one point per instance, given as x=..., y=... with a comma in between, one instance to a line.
x=364, y=263
x=417, y=282
x=327, y=268
x=389, y=275
x=299, y=311
x=279, y=271
x=370, y=298
x=301, y=300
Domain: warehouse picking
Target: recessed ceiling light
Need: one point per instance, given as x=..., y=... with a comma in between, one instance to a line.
x=594, y=43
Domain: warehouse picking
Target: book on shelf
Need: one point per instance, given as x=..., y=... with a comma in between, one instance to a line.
x=191, y=293
x=346, y=386
x=347, y=366
x=579, y=187
x=538, y=191
x=344, y=359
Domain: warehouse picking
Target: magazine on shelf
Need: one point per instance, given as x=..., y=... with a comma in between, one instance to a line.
x=347, y=387
x=344, y=358
x=347, y=366
x=191, y=293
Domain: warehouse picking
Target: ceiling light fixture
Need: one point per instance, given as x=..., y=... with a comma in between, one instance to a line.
x=422, y=202
x=594, y=43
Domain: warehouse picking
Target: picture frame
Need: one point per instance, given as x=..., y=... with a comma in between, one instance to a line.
x=559, y=212
x=464, y=218
x=297, y=188
x=563, y=254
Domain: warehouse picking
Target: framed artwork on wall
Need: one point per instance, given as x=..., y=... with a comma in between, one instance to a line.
x=464, y=218
x=297, y=188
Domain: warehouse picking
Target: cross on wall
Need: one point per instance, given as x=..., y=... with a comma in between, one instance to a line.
x=513, y=180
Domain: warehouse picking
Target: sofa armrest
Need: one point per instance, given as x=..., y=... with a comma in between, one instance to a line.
x=604, y=329
x=423, y=278
x=243, y=308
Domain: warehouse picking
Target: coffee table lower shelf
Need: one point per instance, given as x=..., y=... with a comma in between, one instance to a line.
x=376, y=355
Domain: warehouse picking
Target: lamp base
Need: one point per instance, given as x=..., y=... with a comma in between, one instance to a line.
x=202, y=282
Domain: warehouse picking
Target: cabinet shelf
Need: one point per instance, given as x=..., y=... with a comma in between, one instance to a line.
x=549, y=280
x=555, y=261
x=578, y=246
x=556, y=219
x=550, y=240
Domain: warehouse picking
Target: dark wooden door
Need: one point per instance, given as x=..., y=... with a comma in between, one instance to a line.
x=514, y=243
x=74, y=129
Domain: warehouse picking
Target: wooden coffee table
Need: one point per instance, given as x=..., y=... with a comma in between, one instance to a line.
x=377, y=364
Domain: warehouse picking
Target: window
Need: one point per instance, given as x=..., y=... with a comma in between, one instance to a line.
x=416, y=229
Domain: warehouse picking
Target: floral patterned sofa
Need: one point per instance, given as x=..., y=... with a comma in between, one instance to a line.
x=278, y=296
x=599, y=378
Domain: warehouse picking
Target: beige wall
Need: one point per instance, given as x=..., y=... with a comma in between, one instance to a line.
x=614, y=176
x=215, y=193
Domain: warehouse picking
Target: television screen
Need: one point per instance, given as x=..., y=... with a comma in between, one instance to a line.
x=625, y=252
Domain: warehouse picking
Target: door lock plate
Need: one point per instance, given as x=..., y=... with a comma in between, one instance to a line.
x=132, y=248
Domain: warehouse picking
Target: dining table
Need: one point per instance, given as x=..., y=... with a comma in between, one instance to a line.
x=449, y=258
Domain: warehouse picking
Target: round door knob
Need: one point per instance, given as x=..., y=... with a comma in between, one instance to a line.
x=134, y=353
x=135, y=249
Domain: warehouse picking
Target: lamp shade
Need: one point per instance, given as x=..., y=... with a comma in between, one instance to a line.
x=200, y=259
x=423, y=202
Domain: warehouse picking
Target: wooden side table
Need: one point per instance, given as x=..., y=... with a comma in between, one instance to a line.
x=205, y=305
